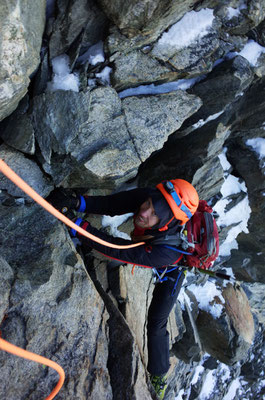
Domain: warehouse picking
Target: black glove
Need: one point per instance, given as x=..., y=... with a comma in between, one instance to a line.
x=63, y=201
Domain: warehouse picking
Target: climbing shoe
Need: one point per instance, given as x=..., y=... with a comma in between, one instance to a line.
x=159, y=383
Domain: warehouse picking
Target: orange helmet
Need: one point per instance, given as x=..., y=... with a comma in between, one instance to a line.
x=182, y=198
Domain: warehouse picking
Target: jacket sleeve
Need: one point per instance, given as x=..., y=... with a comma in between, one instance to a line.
x=115, y=204
x=144, y=255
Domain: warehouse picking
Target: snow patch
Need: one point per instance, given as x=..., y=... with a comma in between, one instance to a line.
x=94, y=55
x=232, y=12
x=180, y=395
x=223, y=160
x=104, y=75
x=208, y=386
x=202, y=122
x=181, y=84
x=193, y=26
x=252, y=51
x=62, y=78
x=204, y=294
x=198, y=371
x=231, y=394
x=258, y=145
x=114, y=223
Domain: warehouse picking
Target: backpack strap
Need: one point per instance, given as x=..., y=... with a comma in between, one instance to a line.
x=168, y=239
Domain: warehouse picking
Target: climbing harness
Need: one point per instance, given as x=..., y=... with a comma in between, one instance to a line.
x=160, y=275
x=17, y=351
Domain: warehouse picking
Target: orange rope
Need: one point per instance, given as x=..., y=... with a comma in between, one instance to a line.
x=17, y=351
x=10, y=174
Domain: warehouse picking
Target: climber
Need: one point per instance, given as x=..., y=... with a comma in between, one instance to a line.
x=158, y=212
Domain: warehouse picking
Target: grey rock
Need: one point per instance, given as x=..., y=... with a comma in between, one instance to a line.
x=256, y=297
x=21, y=33
x=151, y=119
x=27, y=170
x=143, y=69
x=259, y=33
x=188, y=348
x=144, y=17
x=208, y=179
x=194, y=59
x=57, y=117
x=228, y=337
x=133, y=383
x=248, y=262
x=42, y=76
x=54, y=310
x=259, y=69
x=104, y=135
x=192, y=157
x=90, y=127
x=230, y=79
x=17, y=130
x=248, y=18
x=5, y=286
x=75, y=17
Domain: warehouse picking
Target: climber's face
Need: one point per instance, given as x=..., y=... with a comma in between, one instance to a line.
x=146, y=216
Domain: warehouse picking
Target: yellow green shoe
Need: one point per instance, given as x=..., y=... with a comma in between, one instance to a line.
x=159, y=383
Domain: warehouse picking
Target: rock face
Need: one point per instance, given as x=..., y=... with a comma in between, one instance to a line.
x=22, y=24
x=71, y=306
x=234, y=329
x=57, y=312
x=105, y=137
x=51, y=292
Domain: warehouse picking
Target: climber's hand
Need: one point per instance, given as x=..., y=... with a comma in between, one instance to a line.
x=63, y=201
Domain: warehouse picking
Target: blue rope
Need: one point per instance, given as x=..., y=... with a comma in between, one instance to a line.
x=175, y=249
x=176, y=283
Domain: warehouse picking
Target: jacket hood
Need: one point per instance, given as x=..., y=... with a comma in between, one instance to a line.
x=164, y=213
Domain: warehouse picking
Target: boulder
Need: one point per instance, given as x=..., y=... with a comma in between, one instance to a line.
x=28, y=170
x=21, y=24
x=228, y=337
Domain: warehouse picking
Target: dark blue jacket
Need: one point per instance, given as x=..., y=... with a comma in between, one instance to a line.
x=148, y=255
